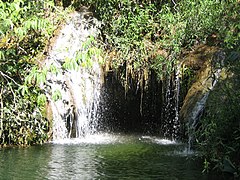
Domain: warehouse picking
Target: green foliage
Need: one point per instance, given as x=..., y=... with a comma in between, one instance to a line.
x=56, y=95
x=219, y=133
x=85, y=56
x=25, y=27
x=136, y=30
x=22, y=123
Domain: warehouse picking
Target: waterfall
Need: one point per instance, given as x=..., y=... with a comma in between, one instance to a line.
x=171, y=111
x=73, y=89
x=207, y=81
x=176, y=123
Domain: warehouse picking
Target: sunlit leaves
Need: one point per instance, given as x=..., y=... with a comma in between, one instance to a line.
x=36, y=76
x=172, y=25
x=128, y=24
x=23, y=21
x=41, y=100
x=24, y=27
x=22, y=122
x=53, y=69
x=85, y=56
x=70, y=63
x=23, y=89
x=20, y=32
x=56, y=95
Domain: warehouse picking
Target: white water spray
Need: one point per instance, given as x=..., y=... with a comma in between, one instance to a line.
x=74, y=114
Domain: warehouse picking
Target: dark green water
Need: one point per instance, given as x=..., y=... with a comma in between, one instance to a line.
x=101, y=157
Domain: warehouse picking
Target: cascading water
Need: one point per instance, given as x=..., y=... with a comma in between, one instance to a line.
x=74, y=91
x=208, y=83
x=171, y=111
x=176, y=123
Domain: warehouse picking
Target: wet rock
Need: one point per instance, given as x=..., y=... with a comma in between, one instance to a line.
x=207, y=62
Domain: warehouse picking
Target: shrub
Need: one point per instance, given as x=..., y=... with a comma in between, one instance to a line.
x=25, y=29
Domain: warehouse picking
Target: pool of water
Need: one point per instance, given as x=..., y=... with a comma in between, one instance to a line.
x=102, y=156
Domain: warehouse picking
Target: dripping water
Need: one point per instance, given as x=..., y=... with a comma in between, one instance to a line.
x=171, y=111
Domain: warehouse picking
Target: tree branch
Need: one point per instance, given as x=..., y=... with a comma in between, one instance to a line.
x=7, y=77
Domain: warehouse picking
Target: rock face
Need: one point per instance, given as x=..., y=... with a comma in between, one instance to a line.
x=208, y=62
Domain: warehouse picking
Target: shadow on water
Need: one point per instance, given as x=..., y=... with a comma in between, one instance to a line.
x=103, y=157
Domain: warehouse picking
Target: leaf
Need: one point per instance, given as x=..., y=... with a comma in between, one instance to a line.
x=23, y=89
x=228, y=166
x=40, y=78
x=56, y=95
x=41, y=99
x=54, y=69
x=2, y=56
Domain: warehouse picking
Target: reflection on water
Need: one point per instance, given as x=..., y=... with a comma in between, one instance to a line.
x=104, y=157
x=72, y=162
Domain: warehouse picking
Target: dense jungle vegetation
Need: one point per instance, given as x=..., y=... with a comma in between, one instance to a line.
x=25, y=30
x=137, y=36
